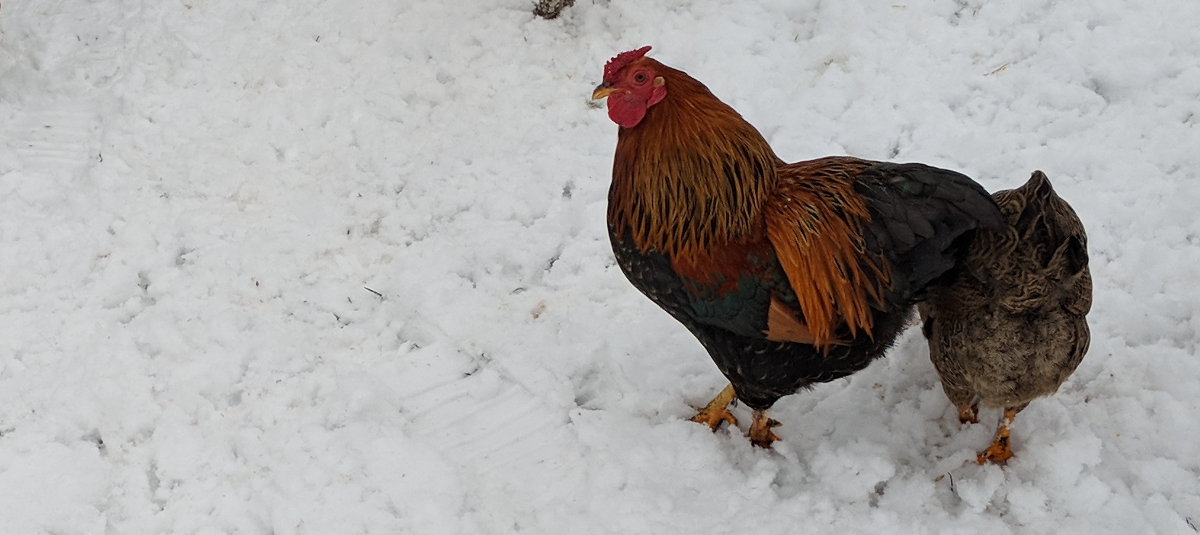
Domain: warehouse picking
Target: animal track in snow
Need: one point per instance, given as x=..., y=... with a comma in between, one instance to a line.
x=56, y=137
x=492, y=426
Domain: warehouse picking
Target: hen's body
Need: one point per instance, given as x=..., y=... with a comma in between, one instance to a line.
x=1012, y=327
x=788, y=274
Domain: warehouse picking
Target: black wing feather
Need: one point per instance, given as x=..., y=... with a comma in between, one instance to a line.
x=923, y=218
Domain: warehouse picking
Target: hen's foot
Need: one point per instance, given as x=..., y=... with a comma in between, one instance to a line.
x=760, y=430
x=717, y=410
x=1001, y=449
x=999, y=452
x=968, y=413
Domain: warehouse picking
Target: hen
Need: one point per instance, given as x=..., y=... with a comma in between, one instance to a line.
x=788, y=274
x=1012, y=326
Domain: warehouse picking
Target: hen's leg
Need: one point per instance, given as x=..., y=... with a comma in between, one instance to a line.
x=717, y=410
x=760, y=430
x=1001, y=449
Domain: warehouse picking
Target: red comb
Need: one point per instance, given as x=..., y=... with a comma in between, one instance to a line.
x=621, y=60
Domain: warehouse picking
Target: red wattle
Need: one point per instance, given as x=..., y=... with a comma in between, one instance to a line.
x=625, y=113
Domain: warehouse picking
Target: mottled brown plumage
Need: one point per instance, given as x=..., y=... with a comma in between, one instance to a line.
x=1012, y=326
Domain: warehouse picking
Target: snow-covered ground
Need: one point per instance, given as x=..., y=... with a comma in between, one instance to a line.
x=340, y=267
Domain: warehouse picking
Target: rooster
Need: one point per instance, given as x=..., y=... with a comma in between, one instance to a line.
x=788, y=274
x=1012, y=326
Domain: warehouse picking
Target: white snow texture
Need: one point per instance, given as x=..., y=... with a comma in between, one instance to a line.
x=341, y=267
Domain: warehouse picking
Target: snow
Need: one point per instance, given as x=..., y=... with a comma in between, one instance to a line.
x=341, y=267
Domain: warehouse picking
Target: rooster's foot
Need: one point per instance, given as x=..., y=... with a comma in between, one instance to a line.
x=760, y=430
x=717, y=410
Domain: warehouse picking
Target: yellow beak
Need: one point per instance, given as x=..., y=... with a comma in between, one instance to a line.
x=602, y=91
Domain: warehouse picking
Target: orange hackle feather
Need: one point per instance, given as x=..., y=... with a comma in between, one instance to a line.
x=669, y=188
x=814, y=223
x=672, y=192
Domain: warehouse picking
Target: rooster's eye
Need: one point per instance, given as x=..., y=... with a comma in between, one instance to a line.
x=640, y=78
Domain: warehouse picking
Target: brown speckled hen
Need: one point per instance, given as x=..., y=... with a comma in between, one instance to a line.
x=789, y=274
x=1012, y=326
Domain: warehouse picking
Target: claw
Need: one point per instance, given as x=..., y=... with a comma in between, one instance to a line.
x=717, y=410
x=999, y=452
x=968, y=413
x=760, y=430
x=713, y=419
x=1001, y=449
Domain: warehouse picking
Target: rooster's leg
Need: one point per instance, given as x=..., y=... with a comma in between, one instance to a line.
x=968, y=413
x=1000, y=450
x=760, y=430
x=717, y=410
